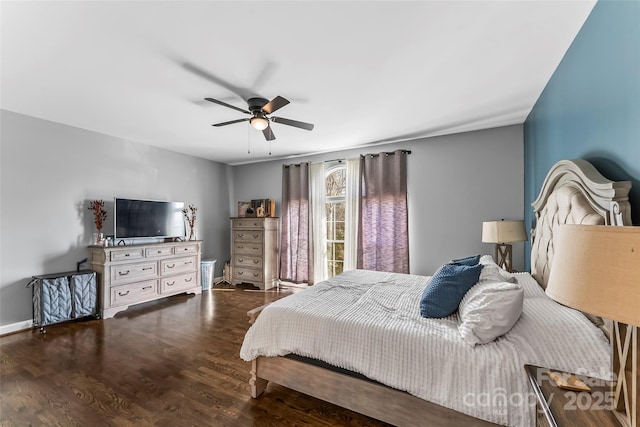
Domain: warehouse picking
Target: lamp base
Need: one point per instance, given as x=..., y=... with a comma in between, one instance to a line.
x=627, y=371
x=503, y=255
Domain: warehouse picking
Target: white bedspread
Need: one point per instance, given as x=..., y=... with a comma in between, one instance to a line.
x=369, y=322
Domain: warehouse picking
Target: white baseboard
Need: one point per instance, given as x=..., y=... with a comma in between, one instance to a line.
x=16, y=327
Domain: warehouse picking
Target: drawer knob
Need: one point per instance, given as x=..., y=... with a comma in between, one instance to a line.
x=126, y=254
x=255, y=274
x=146, y=268
x=240, y=247
x=171, y=266
x=189, y=279
x=123, y=273
x=240, y=273
x=123, y=293
x=159, y=252
x=171, y=283
x=240, y=234
x=255, y=261
x=255, y=236
x=146, y=287
x=240, y=259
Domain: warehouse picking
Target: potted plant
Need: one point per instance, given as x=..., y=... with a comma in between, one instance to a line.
x=190, y=217
x=99, y=215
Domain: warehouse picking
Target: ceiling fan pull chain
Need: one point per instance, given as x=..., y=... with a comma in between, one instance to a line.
x=249, y=139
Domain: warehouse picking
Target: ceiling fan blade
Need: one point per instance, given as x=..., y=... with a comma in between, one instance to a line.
x=215, y=101
x=231, y=122
x=294, y=123
x=275, y=104
x=268, y=134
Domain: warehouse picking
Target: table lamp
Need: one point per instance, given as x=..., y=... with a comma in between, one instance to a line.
x=502, y=233
x=596, y=269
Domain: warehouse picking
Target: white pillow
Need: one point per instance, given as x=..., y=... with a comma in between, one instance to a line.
x=487, y=260
x=489, y=310
x=493, y=273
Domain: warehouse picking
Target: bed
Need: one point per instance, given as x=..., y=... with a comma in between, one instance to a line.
x=329, y=341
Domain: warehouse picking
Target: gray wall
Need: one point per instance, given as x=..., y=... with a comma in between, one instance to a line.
x=49, y=173
x=455, y=182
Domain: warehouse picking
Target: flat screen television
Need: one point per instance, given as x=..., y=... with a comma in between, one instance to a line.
x=147, y=218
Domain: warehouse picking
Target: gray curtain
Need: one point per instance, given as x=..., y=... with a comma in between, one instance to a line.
x=296, y=246
x=383, y=238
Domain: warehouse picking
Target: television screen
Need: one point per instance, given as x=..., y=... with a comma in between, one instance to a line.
x=148, y=218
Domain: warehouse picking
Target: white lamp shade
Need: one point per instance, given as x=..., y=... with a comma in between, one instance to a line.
x=503, y=231
x=596, y=269
x=259, y=123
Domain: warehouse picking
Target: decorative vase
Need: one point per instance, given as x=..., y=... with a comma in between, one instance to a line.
x=192, y=234
x=98, y=238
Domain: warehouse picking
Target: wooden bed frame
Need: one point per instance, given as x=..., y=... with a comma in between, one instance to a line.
x=595, y=194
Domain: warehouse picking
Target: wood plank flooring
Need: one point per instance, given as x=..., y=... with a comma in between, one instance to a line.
x=173, y=362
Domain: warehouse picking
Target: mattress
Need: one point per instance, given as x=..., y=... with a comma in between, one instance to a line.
x=369, y=323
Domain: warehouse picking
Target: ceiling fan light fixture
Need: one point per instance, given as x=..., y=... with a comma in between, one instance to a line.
x=259, y=123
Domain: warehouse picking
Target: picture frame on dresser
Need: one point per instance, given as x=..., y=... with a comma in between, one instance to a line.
x=264, y=207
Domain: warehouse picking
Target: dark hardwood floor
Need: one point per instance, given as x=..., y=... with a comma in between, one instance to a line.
x=173, y=362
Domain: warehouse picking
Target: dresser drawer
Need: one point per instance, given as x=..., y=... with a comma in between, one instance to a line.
x=129, y=272
x=185, y=250
x=158, y=251
x=133, y=293
x=254, y=236
x=127, y=254
x=248, y=248
x=177, y=265
x=248, y=261
x=176, y=283
x=247, y=223
x=247, y=275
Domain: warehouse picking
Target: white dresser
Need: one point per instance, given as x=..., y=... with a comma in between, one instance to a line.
x=129, y=275
x=254, y=251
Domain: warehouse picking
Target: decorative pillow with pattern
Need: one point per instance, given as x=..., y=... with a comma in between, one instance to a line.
x=470, y=260
x=448, y=285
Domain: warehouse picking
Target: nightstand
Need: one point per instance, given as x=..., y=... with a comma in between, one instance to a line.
x=556, y=407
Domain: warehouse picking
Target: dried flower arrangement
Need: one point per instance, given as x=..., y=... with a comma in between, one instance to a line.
x=99, y=213
x=190, y=216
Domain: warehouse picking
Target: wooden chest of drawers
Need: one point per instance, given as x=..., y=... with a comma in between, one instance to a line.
x=254, y=251
x=130, y=275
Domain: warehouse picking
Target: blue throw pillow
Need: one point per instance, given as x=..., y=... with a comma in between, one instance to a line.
x=448, y=285
x=470, y=260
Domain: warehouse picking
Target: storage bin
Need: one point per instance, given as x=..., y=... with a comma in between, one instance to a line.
x=63, y=296
x=207, y=267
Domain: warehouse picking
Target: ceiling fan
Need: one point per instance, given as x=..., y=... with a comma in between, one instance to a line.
x=259, y=110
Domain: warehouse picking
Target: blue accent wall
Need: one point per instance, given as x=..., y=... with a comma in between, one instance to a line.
x=590, y=107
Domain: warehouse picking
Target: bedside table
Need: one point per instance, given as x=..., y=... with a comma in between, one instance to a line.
x=556, y=407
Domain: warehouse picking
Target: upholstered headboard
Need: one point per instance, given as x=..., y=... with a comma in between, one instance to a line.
x=574, y=192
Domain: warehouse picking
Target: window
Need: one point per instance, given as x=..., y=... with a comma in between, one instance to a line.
x=335, y=204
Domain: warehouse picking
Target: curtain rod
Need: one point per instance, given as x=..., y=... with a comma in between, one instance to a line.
x=389, y=153
x=296, y=165
x=361, y=155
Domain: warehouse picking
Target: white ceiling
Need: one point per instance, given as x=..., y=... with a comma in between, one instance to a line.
x=363, y=72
